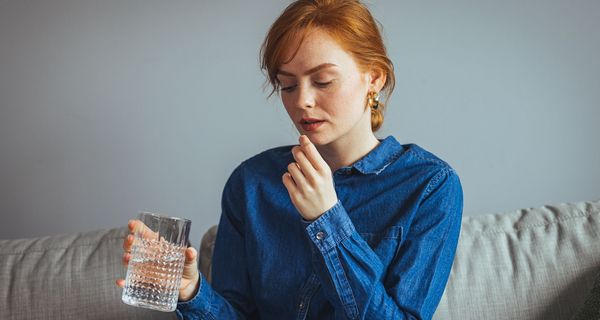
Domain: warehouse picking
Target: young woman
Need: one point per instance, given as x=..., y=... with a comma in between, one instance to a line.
x=343, y=225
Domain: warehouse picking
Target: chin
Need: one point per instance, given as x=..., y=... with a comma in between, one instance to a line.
x=318, y=139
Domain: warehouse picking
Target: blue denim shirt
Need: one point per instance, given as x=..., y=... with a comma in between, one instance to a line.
x=384, y=251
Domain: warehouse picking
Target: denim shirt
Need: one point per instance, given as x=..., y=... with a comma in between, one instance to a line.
x=383, y=251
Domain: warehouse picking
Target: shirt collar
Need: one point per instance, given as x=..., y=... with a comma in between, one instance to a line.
x=388, y=150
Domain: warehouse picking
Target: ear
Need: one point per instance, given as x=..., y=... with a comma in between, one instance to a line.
x=376, y=78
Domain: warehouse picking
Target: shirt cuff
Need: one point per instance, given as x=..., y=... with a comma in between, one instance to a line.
x=331, y=228
x=199, y=304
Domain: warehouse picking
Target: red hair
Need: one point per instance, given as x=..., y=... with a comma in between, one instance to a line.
x=349, y=22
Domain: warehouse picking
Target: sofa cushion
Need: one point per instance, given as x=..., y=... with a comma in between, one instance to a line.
x=66, y=277
x=207, y=245
x=535, y=263
x=591, y=307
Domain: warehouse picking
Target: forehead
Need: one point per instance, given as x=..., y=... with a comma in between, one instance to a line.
x=316, y=48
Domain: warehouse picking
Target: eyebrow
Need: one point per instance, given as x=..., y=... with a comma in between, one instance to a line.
x=310, y=71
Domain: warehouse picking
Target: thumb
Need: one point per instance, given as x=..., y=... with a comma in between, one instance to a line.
x=190, y=267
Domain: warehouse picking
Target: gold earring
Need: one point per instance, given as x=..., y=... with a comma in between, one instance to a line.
x=373, y=100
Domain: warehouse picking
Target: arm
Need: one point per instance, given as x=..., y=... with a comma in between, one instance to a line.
x=352, y=275
x=229, y=296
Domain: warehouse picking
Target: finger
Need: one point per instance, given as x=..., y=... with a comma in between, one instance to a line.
x=190, y=255
x=190, y=267
x=289, y=183
x=292, y=188
x=120, y=283
x=128, y=242
x=296, y=174
x=131, y=225
x=305, y=165
x=126, y=258
x=312, y=154
x=139, y=228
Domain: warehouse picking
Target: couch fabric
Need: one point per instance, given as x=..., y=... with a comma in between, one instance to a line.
x=534, y=263
x=66, y=277
x=591, y=306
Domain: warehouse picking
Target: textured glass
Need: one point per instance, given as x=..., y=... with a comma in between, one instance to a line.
x=156, y=264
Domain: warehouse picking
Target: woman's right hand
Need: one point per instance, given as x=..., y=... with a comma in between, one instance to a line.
x=191, y=276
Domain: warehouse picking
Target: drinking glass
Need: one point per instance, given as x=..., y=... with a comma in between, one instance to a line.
x=156, y=263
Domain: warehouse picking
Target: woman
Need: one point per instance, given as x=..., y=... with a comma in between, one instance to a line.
x=343, y=225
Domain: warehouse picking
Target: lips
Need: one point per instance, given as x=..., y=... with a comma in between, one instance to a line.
x=311, y=124
x=309, y=120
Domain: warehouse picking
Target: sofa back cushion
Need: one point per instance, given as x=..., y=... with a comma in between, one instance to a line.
x=536, y=263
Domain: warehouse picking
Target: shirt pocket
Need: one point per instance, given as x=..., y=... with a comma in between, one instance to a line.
x=385, y=244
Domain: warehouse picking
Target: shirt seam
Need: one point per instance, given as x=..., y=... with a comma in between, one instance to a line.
x=434, y=182
x=342, y=278
x=429, y=159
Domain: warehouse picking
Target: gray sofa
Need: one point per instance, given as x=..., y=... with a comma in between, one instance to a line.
x=534, y=263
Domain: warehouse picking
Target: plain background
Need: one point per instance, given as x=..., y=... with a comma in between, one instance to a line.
x=112, y=107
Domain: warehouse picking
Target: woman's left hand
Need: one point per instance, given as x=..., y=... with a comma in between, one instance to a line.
x=309, y=181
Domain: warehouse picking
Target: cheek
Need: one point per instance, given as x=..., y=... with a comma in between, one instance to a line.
x=291, y=111
x=348, y=102
x=286, y=104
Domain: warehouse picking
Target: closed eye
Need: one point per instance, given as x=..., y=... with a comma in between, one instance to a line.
x=323, y=84
x=319, y=84
x=288, y=89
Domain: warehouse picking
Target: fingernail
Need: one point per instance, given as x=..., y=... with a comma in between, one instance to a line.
x=304, y=139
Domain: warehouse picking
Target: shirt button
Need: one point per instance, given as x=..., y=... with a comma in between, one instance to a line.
x=301, y=305
x=320, y=235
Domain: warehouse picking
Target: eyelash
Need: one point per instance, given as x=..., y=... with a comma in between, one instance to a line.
x=319, y=84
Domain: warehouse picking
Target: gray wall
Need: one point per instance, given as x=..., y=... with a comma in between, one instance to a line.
x=111, y=107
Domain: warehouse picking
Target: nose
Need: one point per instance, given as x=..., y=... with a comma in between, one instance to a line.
x=305, y=98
